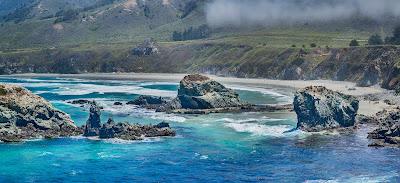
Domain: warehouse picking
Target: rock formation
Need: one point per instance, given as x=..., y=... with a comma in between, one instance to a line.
x=200, y=92
x=388, y=131
x=93, y=123
x=150, y=102
x=24, y=115
x=123, y=131
x=319, y=108
x=148, y=47
x=126, y=131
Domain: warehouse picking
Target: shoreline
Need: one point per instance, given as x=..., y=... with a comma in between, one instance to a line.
x=287, y=87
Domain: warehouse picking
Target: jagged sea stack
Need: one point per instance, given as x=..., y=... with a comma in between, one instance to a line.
x=93, y=123
x=24, y=115
x=319, y=108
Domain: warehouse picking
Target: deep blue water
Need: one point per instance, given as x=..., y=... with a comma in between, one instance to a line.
x=248, y=147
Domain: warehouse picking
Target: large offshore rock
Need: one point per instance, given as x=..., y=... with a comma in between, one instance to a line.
x=93, y=124
x=24, y=115
x=319, y=108
x=388, y=131
x=200, y=92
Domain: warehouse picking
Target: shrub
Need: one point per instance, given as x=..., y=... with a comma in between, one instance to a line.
x=375, y=40
x=313, y=45
x=192, y=33
x=354, y=43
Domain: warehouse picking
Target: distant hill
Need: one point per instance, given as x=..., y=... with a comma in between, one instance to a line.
x=37, y=24
x=66, y=22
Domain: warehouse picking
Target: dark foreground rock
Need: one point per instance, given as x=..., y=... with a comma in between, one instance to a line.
x=24, y=115
x=388, y=130
x=125, y=131
x=319, y=108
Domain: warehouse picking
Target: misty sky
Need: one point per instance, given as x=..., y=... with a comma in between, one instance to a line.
x=267, y=12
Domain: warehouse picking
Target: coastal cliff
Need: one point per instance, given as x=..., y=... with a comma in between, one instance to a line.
x=365, y=65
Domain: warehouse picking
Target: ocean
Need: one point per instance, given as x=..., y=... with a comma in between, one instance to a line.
x=239, y=147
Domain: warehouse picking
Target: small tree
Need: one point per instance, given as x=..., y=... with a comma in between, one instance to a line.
x=354, y=43
x=375, y=40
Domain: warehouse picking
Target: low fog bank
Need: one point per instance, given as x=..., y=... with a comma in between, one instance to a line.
x=269, y=12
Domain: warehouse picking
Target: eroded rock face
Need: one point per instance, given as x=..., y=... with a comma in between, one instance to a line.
x=200, y=92
x=319, y=108
x=370, y=77
x=24, y=115
x=388, y=131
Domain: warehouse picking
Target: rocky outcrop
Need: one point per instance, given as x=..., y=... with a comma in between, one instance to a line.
x=388, y=131
x=319, y=108
x=125, y=131
x=150, y=102
x=200, y=92
x=370, y=77
x=24, y=115
x=148, y=47
x=93, y=123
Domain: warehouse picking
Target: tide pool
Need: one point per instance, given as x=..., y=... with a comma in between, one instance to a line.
x=246, y=147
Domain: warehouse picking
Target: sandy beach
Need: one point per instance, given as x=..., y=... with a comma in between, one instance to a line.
x=282, y=86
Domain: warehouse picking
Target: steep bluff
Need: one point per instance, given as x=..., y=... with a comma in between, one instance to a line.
x=364, y=65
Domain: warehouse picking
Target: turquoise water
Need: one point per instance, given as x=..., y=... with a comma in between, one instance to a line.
x=248, y=147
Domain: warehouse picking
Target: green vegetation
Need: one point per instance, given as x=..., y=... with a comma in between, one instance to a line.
x=66, y=15
x=3, y=91
x=188, y=8
x=395, y=38
x=313, y=45
x=192, y=33
x=354, y=43
x=375, y=39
